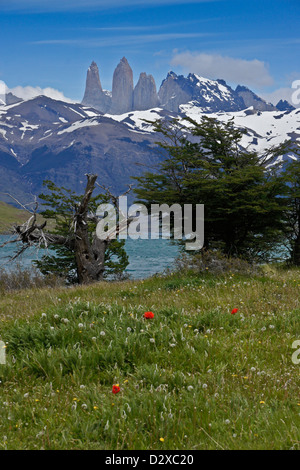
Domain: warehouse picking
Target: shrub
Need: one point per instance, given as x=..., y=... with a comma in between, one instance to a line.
x=214, y=262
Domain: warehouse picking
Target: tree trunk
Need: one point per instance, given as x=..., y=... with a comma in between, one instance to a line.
x=90, y=256
x=89, y=251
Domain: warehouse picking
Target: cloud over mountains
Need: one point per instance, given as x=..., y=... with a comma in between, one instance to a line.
x=248, y=72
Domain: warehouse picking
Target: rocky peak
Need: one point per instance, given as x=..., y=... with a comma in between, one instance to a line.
x=94, y=95
x=122, y=88
x=145, y=94
x=284, y=105
x=251, y=99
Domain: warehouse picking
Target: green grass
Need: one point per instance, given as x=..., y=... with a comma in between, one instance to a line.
x=9, y=215
x=195, y=375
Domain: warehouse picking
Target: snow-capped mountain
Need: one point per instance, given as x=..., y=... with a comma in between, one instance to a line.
x=47, y=139
x=175, y=90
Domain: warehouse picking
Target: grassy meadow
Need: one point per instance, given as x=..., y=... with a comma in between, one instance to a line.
x=10, y=215
x=194, y=377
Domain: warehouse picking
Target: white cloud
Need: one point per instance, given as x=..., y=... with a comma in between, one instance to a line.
x=122, y=40
x=240, y=71
x=280, y=94
x=29, y=92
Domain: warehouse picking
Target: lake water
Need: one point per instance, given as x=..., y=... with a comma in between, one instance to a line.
x=146, y=257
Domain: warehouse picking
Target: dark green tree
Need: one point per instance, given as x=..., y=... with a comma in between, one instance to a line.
x=291, y=177
x=206, y=164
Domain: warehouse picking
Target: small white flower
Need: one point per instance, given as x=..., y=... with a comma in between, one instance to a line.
x=227, y=421
x=204, y=386
x=152, y=340
x=84, y=406
x=56, y=316
x=263, y=328
x=65, y=320
x=129, y=330
x=80, y=325
x=94, y=338
x=82, y=387
x=26, y=395
x=272, y=327
x=44, y=315
x=190, y=388
x=102, y=333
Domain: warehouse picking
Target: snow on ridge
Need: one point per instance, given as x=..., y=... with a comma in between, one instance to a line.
x=137, y=118
x=80, y=124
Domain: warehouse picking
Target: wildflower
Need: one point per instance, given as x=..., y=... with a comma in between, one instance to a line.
x=102, y=333
x=227, y=421
x=116, y=389
x=262, y=402
x=204, y=386
x=234, y=311
x=84, y=406
x=190, y=388
x=44, y=315
x=80, y=325
x=162, y=439
x=148, y=315
x=152, y=340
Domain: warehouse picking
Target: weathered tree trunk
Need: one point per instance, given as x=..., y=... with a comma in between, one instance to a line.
x=89, y=253
x=90, y=256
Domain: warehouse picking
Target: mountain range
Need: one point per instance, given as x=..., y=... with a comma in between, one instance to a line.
x=175, y=90
x=42, y=138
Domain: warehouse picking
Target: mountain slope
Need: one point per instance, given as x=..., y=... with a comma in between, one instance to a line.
x=48, y=139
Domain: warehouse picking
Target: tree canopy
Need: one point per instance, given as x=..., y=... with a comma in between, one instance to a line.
x=206, y=163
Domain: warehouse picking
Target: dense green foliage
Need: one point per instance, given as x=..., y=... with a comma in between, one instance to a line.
x=206, y=164
x=291, y=176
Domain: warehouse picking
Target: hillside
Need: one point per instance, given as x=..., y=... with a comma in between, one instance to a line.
x=43, y=138
x=193, y=377
x=9, y=215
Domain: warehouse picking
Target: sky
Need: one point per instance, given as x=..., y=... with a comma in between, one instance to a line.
x=47, y=46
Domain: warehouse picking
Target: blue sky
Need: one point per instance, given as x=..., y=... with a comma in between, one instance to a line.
x=51, y=44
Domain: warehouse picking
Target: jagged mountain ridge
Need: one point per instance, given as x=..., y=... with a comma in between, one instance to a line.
x=47, y=139
x=175, y=90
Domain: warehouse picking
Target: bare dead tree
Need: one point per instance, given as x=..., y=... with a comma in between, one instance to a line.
x=89, y=254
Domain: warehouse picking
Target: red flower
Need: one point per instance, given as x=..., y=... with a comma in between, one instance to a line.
x=116, y=389
x=234, y=311
x=148, y=315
